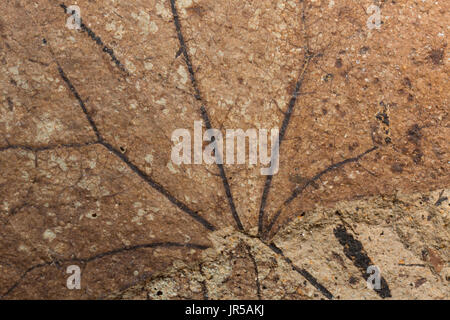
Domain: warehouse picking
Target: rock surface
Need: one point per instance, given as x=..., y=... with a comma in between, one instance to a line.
x=86, y=176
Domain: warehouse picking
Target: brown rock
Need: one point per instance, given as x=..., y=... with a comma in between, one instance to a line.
x=86, y=176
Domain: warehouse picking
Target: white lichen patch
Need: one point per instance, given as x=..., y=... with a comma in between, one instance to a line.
x=23, y=248
x=148, y=65
x=161, y=102
x=92, y=163
x=46, y=128
x=137, y=204
x=90, y=183
x=184, y=3
x=148, y=158
x=118, y=30
x=162, y=11
x=183, y=74
x=253, y=23
x=14, y=70
x=171, y=168
x=144, y=23
x=49, y=235
x=60, y=162
x=130, y=66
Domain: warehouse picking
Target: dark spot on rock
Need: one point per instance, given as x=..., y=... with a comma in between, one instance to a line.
x=440, y=200
x=424, y=255
x=338, y=63
x=383, y=117
x=10, y=104
x=353, y=280
x=414, y=134
x=353, y=146
x=364, y=50
x=328, y=77
x=417, y=156
x=338, y=258
x=436, y=261
x=397, y=168
x=344, y=74
x=341, y=112
x=419, y=282
x=198, y=10
x=437, y=56
x=407, y=82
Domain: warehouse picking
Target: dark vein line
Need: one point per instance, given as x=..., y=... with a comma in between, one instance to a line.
x=203, y=284
x=99, y=42
x=255, y=267
x=139, y=246
x=16, y=284
x=412, y=265
x=299, y=190
x=159, y=187
x=48, y=147
x=131, y=165
x=203, y=111
x=102, y=255
x=80, y=102
x=354, y=250
x=284, y=126
x=309, y=277
x=440, y=199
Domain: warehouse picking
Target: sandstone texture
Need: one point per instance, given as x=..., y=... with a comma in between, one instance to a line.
x=87, y=179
